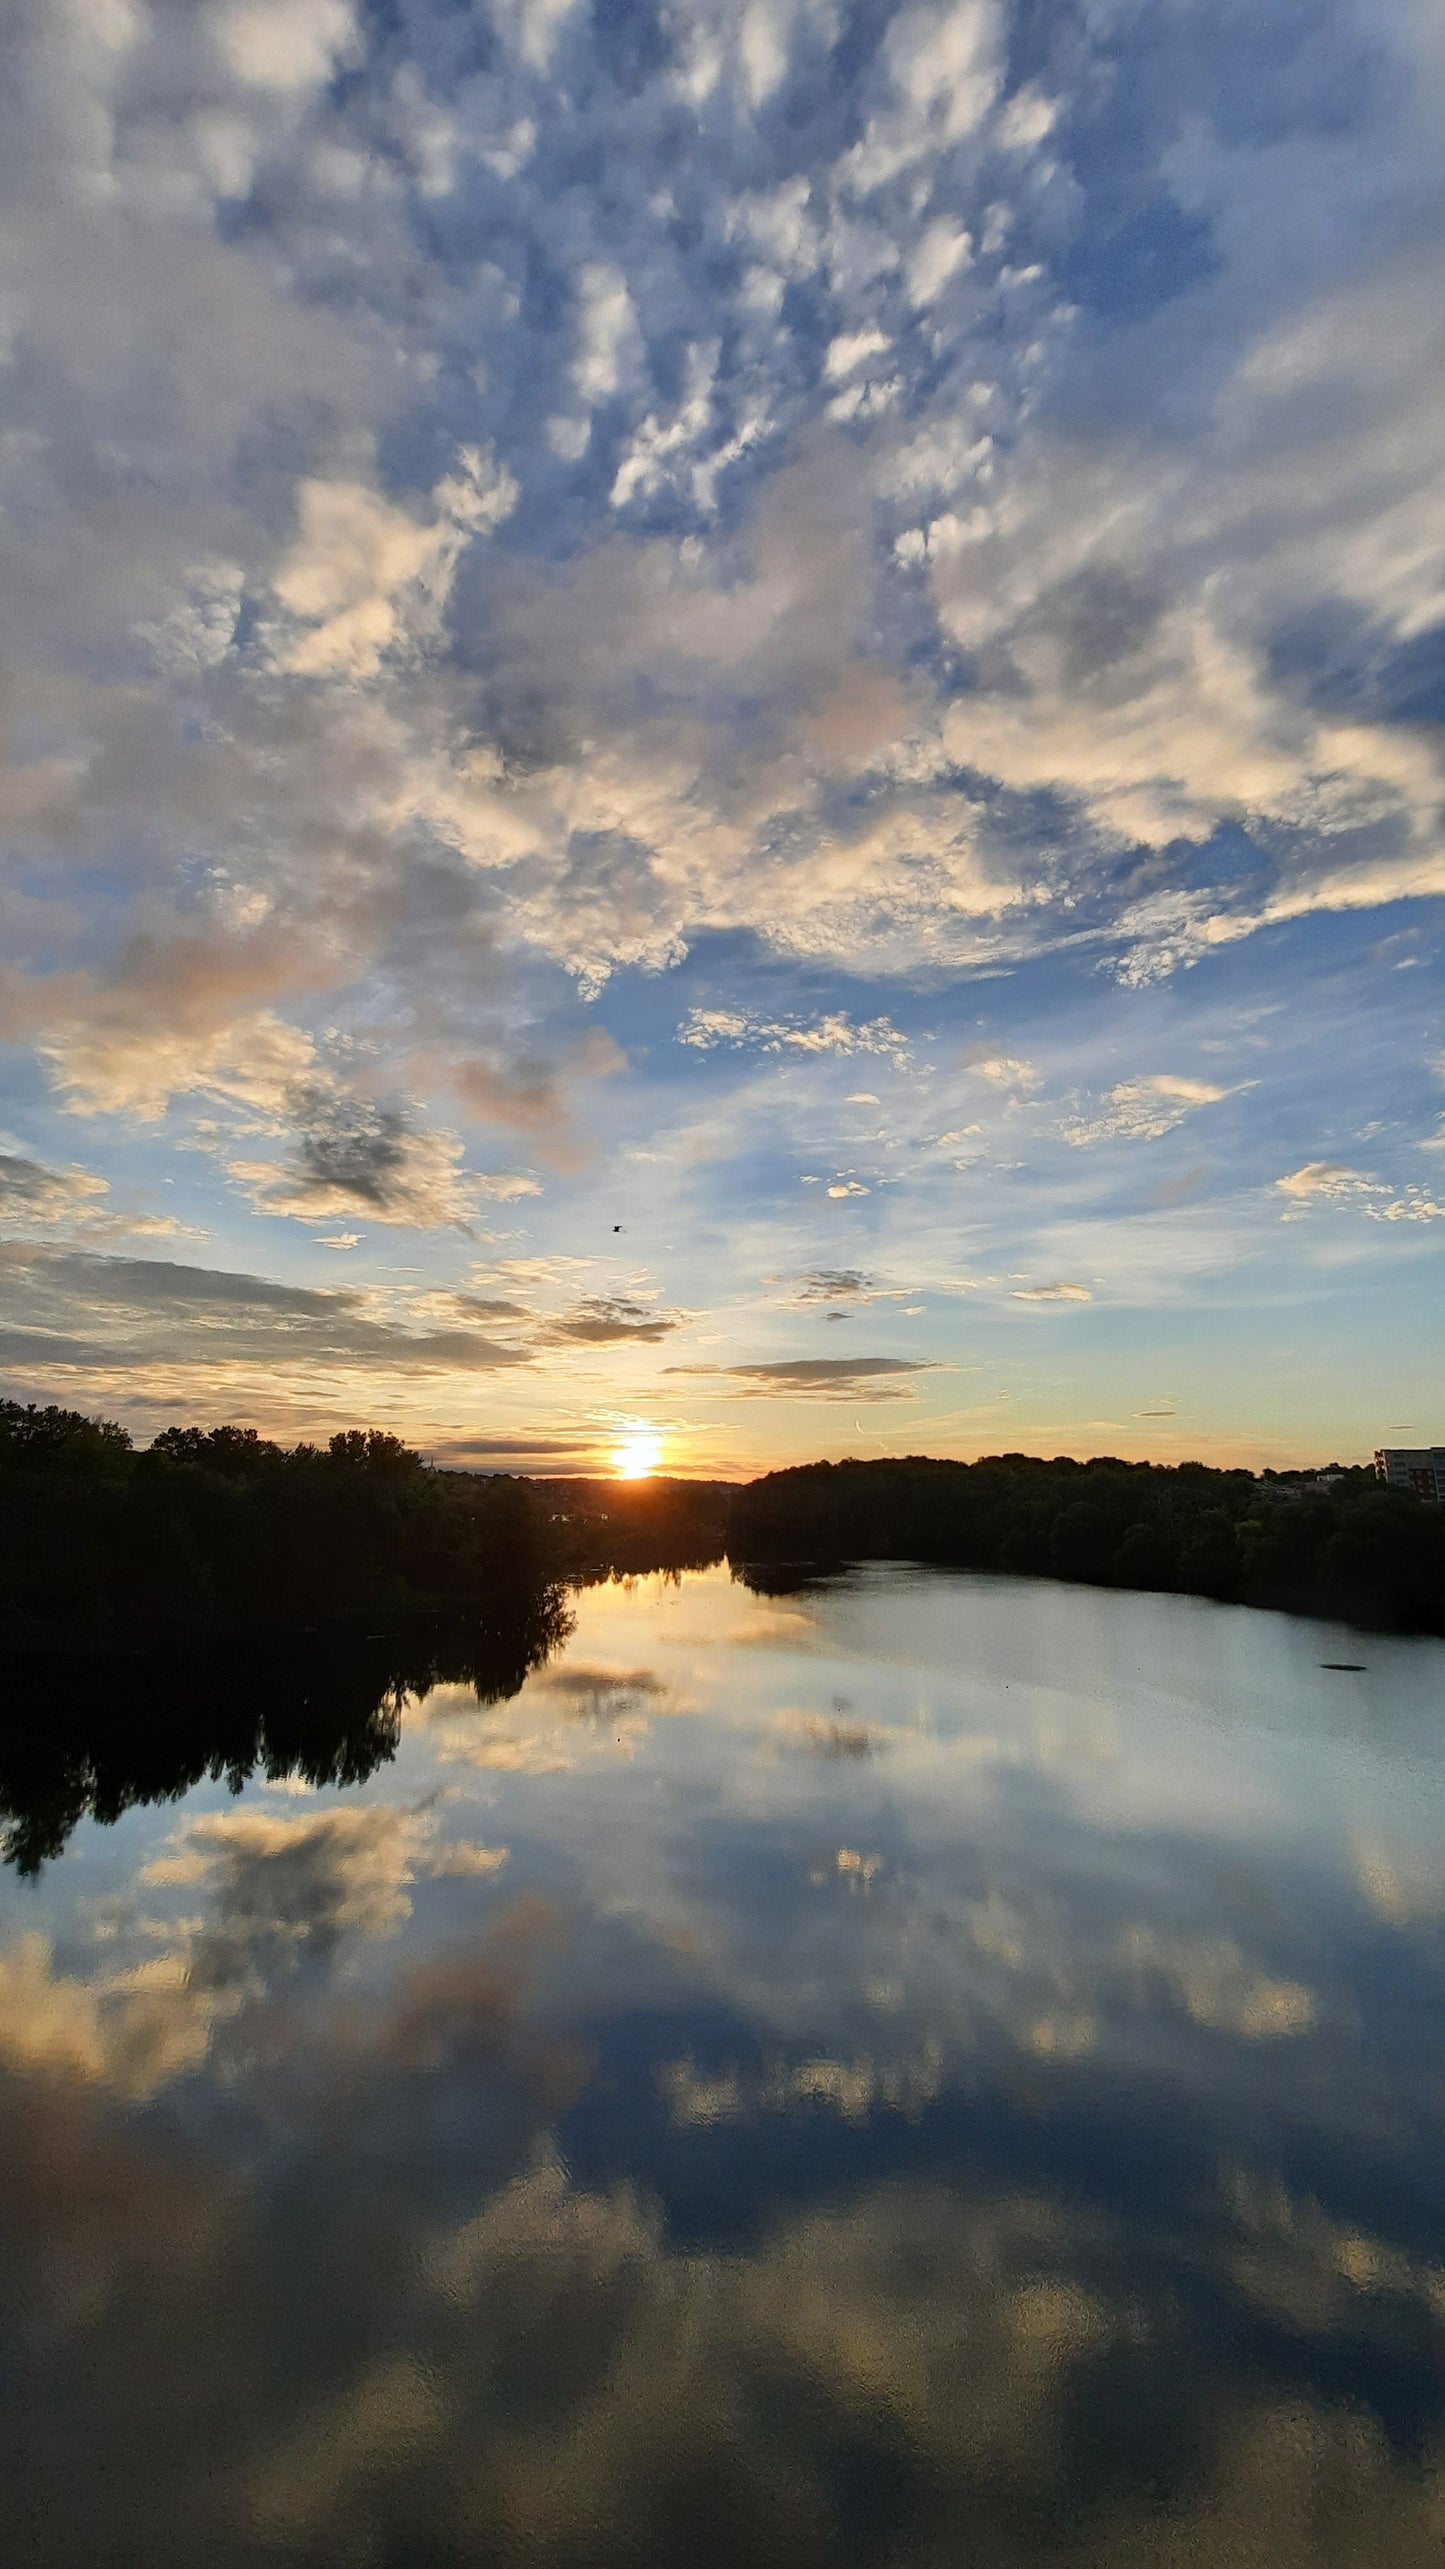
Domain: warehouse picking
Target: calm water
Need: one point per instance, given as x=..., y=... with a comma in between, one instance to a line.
x=928, y=2070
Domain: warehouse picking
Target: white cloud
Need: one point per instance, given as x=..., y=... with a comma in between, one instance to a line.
x=945, y=71
x=1413, y=1206
x=1140, y=1110
x=116, y=1063
x=1005, y=1071
x=609, y=343
x=284, y=45
x=845, y=355
x=364, y=577
x=941, y=250
x=703, y=1029
x=1328, y=1182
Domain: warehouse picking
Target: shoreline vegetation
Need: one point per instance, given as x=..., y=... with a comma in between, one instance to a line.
x=218, y=1533
x=1339, y=1544
x=218, y=1606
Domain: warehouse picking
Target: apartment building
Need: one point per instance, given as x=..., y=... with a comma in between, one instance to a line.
x=1420, y=1468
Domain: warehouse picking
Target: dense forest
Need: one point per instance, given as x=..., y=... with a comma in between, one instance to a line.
x=1350, y=1548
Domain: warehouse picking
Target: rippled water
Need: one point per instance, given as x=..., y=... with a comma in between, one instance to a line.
x=929, y=2069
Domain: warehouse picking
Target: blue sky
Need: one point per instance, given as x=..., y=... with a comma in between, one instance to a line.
x=724, y=724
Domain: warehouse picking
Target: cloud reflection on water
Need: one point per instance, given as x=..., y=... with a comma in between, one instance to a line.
x=1018, y=2141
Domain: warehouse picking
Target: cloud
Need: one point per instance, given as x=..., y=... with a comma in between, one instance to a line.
x=600, y=1694
x=174, y=1016
x=838, y=1284
x=820, y=1377
x=132, y=2030
x=1142, y=1110
x=705, y=1028
x=1002, y=1071
x=838, y=1738
x=283, y=45
x=946, y=509
x=353, y=1155
x=33, y=1196
x=1218, y=1987
x=282, y=1890
x=65, y=1311
x=609, y=1320
x=278, y=1894
x=974, y=2330
x=522, y=1453
x=1413, y=1206
x=1051, y=1293
x=1326, y=1181
x=364, y=579
x=1123, y=651
x=536, y=1097
x=36, y=1200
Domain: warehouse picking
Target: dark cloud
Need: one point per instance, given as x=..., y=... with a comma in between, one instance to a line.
x=33, y=1195
x=834, y=1284
x=353, y=1151
x=605, y=1320
x=820, y=1377
x=129, y=1315
x=355, y=1155
x=605, y=1694
x=520, y=1452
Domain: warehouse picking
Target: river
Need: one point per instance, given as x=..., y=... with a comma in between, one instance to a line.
x=923, y=2069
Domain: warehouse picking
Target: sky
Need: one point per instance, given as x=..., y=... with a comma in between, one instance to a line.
x=720, y=727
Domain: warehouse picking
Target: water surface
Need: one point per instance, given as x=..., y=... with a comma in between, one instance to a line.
x=927, y=2069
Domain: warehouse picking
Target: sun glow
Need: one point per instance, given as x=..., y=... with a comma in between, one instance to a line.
x=637, y=1454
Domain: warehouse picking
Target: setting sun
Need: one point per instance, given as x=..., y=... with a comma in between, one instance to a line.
x=637, y=1455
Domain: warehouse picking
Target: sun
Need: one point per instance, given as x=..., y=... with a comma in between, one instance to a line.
x=637, y=1455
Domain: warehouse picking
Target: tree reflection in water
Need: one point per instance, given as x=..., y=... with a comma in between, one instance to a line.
x=92, y=1738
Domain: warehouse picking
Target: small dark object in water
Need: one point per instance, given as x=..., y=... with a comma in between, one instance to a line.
x=1352, y=1667
x=616, y=1226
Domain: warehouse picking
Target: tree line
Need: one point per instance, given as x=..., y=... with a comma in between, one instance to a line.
x=209, y=1534
x=1352, y=1548
x=215, y=1532
x=220, y=1531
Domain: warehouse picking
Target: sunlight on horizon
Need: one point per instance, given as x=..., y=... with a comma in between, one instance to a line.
x=637, y=1455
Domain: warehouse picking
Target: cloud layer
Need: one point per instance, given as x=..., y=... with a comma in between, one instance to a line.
x=562, y=565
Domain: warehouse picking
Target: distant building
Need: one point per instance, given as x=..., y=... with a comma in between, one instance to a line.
x=1420, y=1468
